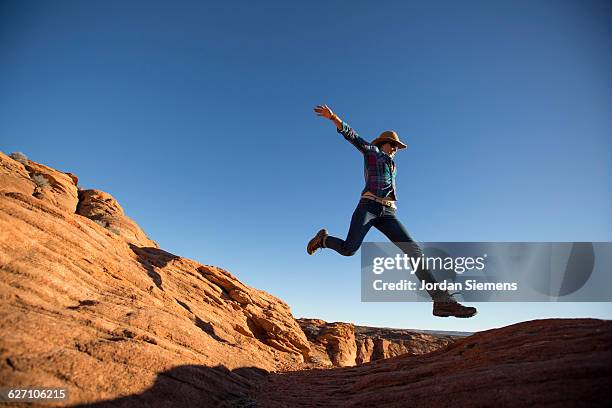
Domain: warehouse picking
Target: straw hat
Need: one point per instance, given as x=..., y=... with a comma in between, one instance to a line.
x=388, y=136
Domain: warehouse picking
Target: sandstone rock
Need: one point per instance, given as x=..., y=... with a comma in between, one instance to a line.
x=365, y=350
x=552, y=362
x=109, y=314
x=74, y=178
x=103, y=209
x=374, y=343
x=54, y=187
x=266, y=317
x=344, y=344
x=240, y=296
x=333, y=343
x=31, y=178
x=340, y=343
x=120, y=322
x=14, y=177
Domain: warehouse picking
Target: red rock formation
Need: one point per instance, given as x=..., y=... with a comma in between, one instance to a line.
x=14, y=176
x=103, y=209
x=51, y=186
x=553, y=362
x=90, y=303
x=374, y=343
x=344, y=344
x=331, y=343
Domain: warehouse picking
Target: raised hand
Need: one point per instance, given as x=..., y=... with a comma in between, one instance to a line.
x=324, y=110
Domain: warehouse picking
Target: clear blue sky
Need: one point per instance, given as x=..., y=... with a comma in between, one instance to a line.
x=197, y=117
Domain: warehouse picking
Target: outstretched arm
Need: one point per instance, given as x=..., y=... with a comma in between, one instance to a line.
x=326, y=112
x=343, y=128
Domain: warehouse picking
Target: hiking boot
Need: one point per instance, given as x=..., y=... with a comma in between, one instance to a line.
x=446, y=309
x=316, y=242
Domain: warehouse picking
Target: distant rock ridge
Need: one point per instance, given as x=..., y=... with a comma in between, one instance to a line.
x=344, y=344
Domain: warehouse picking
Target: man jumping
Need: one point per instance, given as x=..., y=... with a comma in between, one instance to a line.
x=377, y=209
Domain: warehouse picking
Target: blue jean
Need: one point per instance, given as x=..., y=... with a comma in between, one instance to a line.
x=370, y=214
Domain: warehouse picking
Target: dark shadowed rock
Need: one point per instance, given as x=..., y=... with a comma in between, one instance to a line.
x=553, y=362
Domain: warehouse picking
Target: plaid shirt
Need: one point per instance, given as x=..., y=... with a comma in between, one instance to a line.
x=378, y=167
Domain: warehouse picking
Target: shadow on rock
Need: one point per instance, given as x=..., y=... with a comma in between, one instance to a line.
x=151, y=258
x=195, y=386
x=208, y=329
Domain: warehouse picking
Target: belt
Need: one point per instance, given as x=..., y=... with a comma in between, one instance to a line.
x=387, y=203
